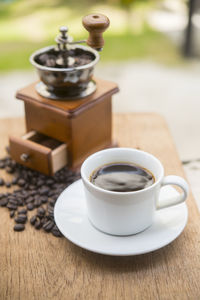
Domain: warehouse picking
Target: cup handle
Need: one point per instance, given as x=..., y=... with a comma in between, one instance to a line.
x=174, y=180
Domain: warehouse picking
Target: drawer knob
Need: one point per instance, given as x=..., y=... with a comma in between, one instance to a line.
x=24, y=157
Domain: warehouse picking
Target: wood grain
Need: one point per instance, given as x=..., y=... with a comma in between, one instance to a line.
x=35, y=265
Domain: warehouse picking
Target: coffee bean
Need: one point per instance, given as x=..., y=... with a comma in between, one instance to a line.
x=38, y=224
x=1, y=182
x=32, y=193
x=51, y=193
x=2, y=165
x=20, y=202
x=3, y=201
x=49, y=182
x=30, y=206
x=33, y=220
x=12, y=213
x=32, y=187
x=9, y=169
x=14, y=180
x=40, y=212
x=44, y=199
x=19, y=227
x=21, y=182
x=13, y=201
x=34, y=190
x=51, y=201
x=26, y=186
x=50, y=209
x=11, y=206
x=40, y=183
x=21, y=219
x=56, y=232
x=29, y=200
x=48, y=225
x=22, y=211
x=8, y=184
x=44, y=190
x=37, y=202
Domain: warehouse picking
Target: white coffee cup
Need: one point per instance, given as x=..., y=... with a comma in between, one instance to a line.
x=126, y=213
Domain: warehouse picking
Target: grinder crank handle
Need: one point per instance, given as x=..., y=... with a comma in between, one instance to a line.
x=95, y=24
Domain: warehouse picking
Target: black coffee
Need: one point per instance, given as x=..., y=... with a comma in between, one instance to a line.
x=122, y=177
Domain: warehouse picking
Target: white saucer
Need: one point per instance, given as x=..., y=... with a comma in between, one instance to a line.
x=71, y=218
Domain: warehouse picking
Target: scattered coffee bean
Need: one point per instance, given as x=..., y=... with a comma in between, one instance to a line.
x=34, y=190
x=13, y=201
x=19, y=227
x=21, y=182
x=51, y=201
x=48, y=225
x=33, y=220
x=44, y=199
x=11, y=206
x=22, y=211
x=20, y=202
x=9, y=169
x=29, y=200
x=8, y=184
x=15, y=180
x=38, y=224
x=30, y=206
x=1, y=182
x=21, y=219
x=40, y=212
x=50, y=182
x=37, y=202
x=4, y=201
x=40, y=183
x=2, y=165
x=12, y=213
x=44, y=190
x=56, y=232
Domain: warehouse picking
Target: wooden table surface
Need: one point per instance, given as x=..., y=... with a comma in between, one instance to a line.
x=36, y=265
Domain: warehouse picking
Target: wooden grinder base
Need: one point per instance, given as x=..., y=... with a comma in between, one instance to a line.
x=80, y=127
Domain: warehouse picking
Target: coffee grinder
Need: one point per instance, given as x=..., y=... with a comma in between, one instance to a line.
x=68, y=112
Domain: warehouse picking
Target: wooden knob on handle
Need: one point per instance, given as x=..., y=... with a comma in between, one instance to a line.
x=95, y=24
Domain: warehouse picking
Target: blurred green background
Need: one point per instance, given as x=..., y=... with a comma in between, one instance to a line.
x=27, y=25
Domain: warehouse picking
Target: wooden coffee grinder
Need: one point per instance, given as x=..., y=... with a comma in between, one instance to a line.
x=68, y=112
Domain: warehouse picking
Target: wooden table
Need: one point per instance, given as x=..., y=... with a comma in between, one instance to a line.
x=35, y=265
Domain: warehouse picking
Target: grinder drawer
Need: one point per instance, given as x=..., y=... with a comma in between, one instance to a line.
x=39, y=152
